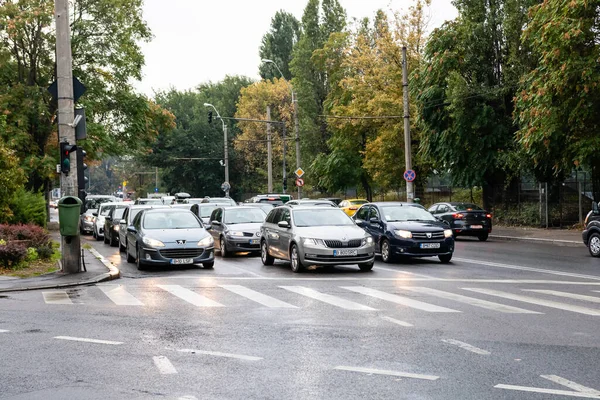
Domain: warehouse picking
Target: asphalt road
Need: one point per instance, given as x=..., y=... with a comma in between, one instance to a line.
x=504, y=320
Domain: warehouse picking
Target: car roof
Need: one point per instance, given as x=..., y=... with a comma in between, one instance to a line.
x=167, y=210
x=111, y=203
x=395, y=203
x=142, y=206
x=301, y=207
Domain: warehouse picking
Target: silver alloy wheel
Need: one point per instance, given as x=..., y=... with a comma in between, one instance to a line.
x=294, y=259
x=263, y=252
x=385, y=251
x=595, y=245
x=222, y=246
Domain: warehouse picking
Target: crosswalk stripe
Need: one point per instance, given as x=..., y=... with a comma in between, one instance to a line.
x=257, y=297
x=57, y=297
x=574, y=296
x=189, y=296
x=405, y=301
x=471, y=301
x=119, y=295
x=4, y=330
x=164, y=365
x=534, y=300
x=327, y=298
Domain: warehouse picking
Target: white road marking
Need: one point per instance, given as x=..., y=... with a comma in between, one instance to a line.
x=540, y=302
x=190, y=397
x=57, y=297
x=387, y=372
x=4, y=330
x=189, y=296
x=466, y=346
x=574, y=296
x=219, y=354
x=519, y=267
x=257, y=297
x=396, y=321
x=404, y=272
x=549, y=391
x=164, y=365
x=570, y=384
x=405, y=301
x=119, y=295
x=471, y=301
x=77, y=339
x=327, y=298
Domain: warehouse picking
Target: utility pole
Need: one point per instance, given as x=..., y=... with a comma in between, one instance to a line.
x=269, y=154
x=66, y=131
x=156, y=178
x=297, y=139
x=225, y=146
x=407, y=145
x=284, y=151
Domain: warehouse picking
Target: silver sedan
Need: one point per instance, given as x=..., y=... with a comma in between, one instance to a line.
x=315, y=236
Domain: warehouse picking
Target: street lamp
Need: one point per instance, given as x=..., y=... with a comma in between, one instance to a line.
x=296, y=128
x=226, y=155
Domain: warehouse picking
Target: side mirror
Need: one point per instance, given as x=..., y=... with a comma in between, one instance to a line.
x=208, y=227
x=595, y=207
x=95, y=214
x=359, y=222
x=131, y=229
x=283, y=224
x=108, y=218
x=216, y=222
x=122, y=222
x=374, y=220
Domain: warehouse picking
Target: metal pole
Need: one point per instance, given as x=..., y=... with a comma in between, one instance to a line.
x=407, y=146
x=284, y=151
x=546, y=191
x=269, y=154
x=540, y=192
x=226, y=157
x=579, y=192
x=71, y=248
x=156, y=177
x=297, y=129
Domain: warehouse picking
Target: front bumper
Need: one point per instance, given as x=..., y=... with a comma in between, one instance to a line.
x=412, y=247
x=585, y=236
x=321, y=255
x=164, y=256
x=87, y=226
x=242, y=243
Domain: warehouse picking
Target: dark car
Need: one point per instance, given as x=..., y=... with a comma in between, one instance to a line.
x=130, y=212
x=405, y=230
x=111, y=224
x=591, y=233
x=465, y=219
x=237, y=229
x=310, y=202
x=169, y=237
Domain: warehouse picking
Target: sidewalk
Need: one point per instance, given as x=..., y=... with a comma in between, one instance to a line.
x=563, y=237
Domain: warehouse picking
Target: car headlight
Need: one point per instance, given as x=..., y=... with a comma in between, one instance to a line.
x=152, y=242
x=310, y=242
x=89, y=218
x=367, y=240
x=447, y=233
x=207, y=242
x=403, y=234
x=235, y=233
x=116, y=227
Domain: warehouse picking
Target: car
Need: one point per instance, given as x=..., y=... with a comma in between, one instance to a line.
x=111, y=223
x=236, y=229
x=98, y=220
x=314, y=236
x=91, y=205
x=276, y=200
x=351, y=206
x=128, y=215
x=465, y=219
x=167, y=200
x=591, y=232
x=147, y=201
x=405, y=230
x=194, y=200
x=335, y=200
x=220, y=200
x=168, y=237
x=181, y=197
x=310, y=202
x=204, y=210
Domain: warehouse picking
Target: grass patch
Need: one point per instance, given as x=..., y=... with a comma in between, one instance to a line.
x=33, y=268
x=86, y=246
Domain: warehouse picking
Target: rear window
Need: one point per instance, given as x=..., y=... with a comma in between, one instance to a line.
x=467, y=207
x=358, y=202
x=277, y=202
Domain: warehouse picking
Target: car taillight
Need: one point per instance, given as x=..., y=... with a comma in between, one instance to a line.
x=488, y=216
x=458, y=216
x=353, y=208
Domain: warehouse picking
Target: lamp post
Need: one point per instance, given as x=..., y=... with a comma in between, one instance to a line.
x=296, y=127
x=225, y=149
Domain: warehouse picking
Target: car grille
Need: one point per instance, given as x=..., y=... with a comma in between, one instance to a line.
x=338, y=243
x=248, y=234
x=423, y=235
x=181, y=253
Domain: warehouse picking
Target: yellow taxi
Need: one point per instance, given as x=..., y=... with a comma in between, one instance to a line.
x=350, y=206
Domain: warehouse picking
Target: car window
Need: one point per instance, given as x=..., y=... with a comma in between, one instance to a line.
x=467, y=207
x=373, y=213
x=104, y=211
x=363, y=213
x=276, y=215
x=433, y=209
x=285, y=216
x=126, y=214
x=136, y=219
x=118, y=213
x=206, y=211
x=443, y=208
x=134, y=212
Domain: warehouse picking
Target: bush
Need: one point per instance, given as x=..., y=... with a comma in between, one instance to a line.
x=12, y=254
x=27, y=208
x=36, y=236
x=45, y=252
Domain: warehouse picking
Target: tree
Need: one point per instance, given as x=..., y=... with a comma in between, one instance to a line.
x=277, y=45
x=12, y=177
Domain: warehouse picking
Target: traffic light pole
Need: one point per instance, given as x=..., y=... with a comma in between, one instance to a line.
x=297, y=131
x=410, y=194
x=66, y=131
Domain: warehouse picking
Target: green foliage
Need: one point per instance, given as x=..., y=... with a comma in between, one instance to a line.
x=12, y=176
x=277, y=45
x=26, y=207
x=32, y=254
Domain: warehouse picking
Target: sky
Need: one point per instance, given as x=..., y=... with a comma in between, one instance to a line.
x=197, y=41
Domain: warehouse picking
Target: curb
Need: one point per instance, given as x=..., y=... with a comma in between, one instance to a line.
x=113, y=273
x=559, y=242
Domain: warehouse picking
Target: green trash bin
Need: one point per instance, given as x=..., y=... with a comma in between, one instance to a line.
x=69, y=208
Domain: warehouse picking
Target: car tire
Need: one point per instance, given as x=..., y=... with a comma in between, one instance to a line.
x=295, y=259
x=445, y=259
x=209, y=264
x=94, y=235
x=594, y=244
x=366, y=266
x=386, y=252
x=223, y=248
x=130, y=258
x=265, y=257
x=121, y=247
x=482, y=237
x=138, y=260
x=112, y=241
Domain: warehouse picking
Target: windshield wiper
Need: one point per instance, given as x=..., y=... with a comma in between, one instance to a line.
x=420, y=220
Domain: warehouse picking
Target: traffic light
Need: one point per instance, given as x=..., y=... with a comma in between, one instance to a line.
x=65, y=156
x=210, y=117
x=81, y=167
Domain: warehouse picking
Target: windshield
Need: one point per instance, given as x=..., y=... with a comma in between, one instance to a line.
x=245, y=216
x=104, y=211
x=149, y=201
x=333, y=217
x=357, y=202
x=171, y=220
x=206, y=211
x=406, y=213
x=467, y=207
x=95, y=203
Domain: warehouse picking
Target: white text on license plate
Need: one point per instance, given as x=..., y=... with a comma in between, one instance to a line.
x=342, y=253
x=254, y=241
x=178, y=261
x=476, y=226
x=430, y=245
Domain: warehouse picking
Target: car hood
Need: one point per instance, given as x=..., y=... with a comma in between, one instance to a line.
x=415, y=226
x=172, y=235
x=252, y=227
x=331, y=232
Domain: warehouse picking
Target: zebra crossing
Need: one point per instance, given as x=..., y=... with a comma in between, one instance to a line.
x=351, y=298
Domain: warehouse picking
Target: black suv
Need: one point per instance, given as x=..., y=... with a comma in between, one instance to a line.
x=591, y=233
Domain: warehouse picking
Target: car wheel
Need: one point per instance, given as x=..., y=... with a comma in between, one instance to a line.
x=130, y=258
x=482, y=237
x=295, y=259
x=445, y=258
x=366, y=266
x=112, y=240
x=208, y=265
x=265, y=257
x=94, y=235
x=594, y=245
x=138, y=260
x=386, y=252
x=121, y=247
x=223, y=248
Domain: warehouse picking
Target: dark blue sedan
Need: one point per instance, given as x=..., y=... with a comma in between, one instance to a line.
x=405, y=230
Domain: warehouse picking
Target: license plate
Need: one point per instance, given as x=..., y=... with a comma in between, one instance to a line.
x=345, y=253
x=254, y=241
x=179, y=261
x=476, y=226
x=430, y=245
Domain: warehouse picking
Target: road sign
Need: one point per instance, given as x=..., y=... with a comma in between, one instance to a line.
x=299, y=172
x=155, y=190
x=409, y=175
x=299, y=182
x=225, y=186
x=78, y=89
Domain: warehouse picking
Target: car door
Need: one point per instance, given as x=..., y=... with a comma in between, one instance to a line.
x=123, y=227
x=271, y=232
x=215, y=224
x=285, y=234
x=444, y=212
x=132, y=236
x=376, y=226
